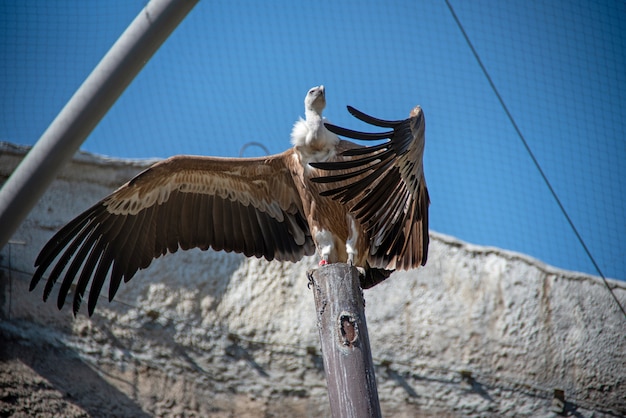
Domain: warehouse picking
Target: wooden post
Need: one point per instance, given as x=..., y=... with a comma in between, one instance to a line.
x=345, y=343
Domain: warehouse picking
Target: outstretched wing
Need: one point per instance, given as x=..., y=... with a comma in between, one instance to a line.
x=384, y=187
x=249, y=206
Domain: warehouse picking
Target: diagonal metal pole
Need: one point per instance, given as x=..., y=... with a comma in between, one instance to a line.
x=345, y=342
x=86, y=108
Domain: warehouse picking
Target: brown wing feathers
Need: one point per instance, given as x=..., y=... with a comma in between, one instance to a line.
x=384, y=186
x=98, y=242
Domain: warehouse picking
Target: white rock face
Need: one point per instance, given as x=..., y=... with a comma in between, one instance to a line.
x=477, y=332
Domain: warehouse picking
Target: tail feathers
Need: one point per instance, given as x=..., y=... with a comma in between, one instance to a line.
x=373, y=276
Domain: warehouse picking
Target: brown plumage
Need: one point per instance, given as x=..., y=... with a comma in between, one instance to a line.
x=365, y=205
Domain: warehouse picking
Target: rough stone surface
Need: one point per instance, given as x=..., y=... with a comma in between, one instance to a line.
x=477, y=332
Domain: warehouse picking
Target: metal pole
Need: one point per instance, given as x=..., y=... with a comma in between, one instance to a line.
x=345, y=343
x=86, y=108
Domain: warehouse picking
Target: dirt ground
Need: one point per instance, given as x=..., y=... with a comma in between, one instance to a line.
x=25, y=393
x=43, y=380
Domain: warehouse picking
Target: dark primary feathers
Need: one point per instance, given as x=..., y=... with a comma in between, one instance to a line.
x=385, y=188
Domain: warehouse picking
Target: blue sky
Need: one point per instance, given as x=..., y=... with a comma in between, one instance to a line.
x=238, y=72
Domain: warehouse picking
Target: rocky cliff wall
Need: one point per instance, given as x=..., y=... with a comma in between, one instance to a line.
x=477, y=332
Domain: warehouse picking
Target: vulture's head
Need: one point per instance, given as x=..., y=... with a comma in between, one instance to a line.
x=315, y=99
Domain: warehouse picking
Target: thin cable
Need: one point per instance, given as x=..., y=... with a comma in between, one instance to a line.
x=532, y=156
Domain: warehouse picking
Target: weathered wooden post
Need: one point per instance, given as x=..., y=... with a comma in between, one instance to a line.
x=345, y=343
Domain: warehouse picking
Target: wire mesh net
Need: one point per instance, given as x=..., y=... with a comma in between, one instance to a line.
x=236, y=73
